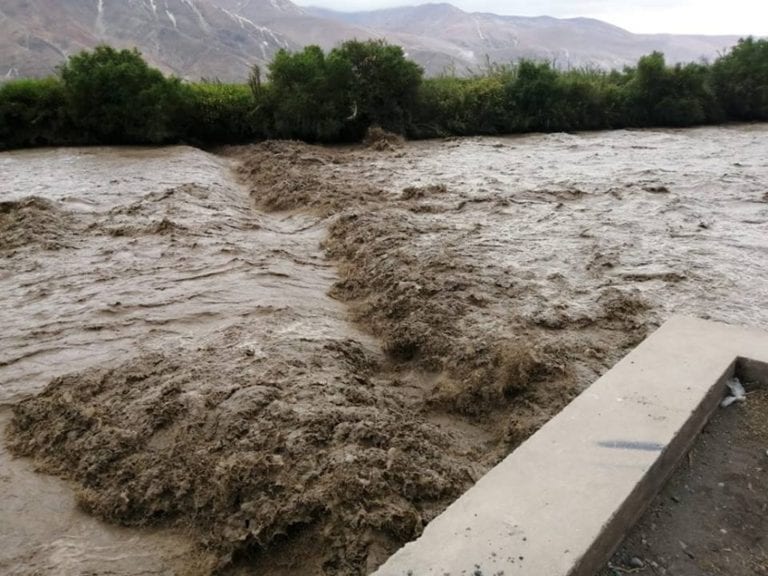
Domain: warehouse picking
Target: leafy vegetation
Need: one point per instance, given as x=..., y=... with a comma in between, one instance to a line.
x=217, y=114
x=740, y=80
x=336, y=97
x=32, y=113
x=113, y=97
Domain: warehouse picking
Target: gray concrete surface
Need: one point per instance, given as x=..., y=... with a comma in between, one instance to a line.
x=562, y=502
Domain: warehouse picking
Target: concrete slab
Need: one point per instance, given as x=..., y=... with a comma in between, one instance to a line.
x=562, y=502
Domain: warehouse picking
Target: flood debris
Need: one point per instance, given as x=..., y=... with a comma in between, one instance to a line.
x=737, y=393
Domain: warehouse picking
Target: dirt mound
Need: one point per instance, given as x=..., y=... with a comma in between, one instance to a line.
x=246, y=451
x=33, y=221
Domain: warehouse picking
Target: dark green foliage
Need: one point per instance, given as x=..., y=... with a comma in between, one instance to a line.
x=337, y=97
x=307, y=96
x=113, y=97
x=440, y=109
x=379, y=82
x=219, y=114
x=535, y=98
x=740, y=80
x=32, y=114
x=591, y=100
x=449, y=105
x=661, y=96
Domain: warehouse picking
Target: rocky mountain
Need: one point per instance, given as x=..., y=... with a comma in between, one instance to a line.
x=191, y=38
x=479, y=37
x=224, y=38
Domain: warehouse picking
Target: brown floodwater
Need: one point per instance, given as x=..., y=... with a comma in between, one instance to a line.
x=644, y=208
x=119, y=252
x=112, y=255
x=138, y=248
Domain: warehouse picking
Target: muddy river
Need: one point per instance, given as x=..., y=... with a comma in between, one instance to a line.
x=283, y=359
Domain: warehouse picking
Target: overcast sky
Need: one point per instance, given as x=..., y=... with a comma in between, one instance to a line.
x=675, y=16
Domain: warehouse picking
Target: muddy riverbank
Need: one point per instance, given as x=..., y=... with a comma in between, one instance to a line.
x=296, y=356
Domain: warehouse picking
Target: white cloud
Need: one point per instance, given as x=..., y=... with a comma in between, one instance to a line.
x=740, y=17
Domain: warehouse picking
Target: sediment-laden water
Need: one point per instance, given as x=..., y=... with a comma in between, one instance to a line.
x=292, y=357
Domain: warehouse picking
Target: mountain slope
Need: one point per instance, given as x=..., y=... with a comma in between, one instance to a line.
x=567, y=42
x=185, y=37
x=190, y=38
x=224, y=38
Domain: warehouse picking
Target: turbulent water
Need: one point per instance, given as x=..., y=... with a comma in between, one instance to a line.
x=680, y=215
x=173, y=266
x=109, y=252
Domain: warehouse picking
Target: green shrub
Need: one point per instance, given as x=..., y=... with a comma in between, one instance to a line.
x=379, y=83
x=484, y=105
x=589, y=101
x=219, y=113
x=339, y=96
x=114, y=97
x=658, y=95
x=740, y=80
x=535, y=98
x=32, y=114
x=307, y=96
x=439, y=108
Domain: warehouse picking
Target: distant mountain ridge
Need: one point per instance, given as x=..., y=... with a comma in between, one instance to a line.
x=568, y=42
x=223, y=38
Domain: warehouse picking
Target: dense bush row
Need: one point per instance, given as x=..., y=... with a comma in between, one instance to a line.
x=113, y=97
x=533, y=96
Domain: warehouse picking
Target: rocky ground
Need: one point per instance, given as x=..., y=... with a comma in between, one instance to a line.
x=711, y=519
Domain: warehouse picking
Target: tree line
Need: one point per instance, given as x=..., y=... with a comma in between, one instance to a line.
x=109, y=96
